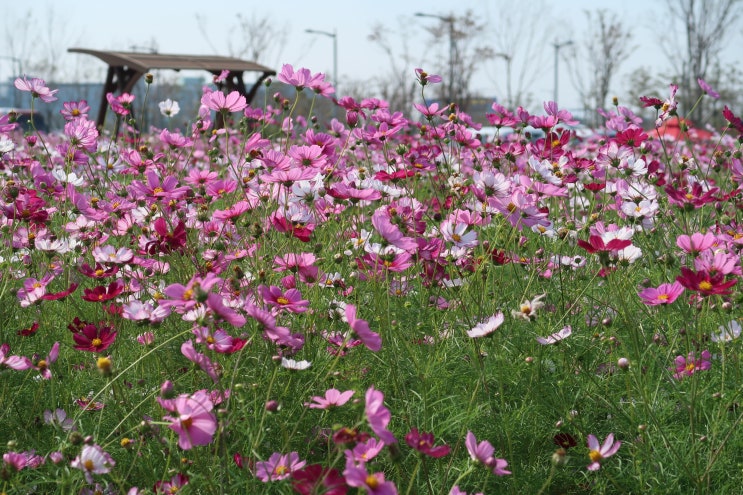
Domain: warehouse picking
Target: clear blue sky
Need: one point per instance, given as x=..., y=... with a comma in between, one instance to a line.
x=173, y=27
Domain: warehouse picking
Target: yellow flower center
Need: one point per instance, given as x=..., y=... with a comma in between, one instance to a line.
x=282, y=300
x=705, y=285
x=96, y=342
x=157, y=190
x=89, y=465
x=690, y=367
x=372, y=481
x=595, y=456
x=280, y=470
x=663, y=297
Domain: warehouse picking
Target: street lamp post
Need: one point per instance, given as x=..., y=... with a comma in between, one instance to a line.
x=508, y=59
x=557, y=55
x=333, y=35
x=450, y=20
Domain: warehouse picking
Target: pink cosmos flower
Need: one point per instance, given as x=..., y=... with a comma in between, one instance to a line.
x=278, y=466
x=687, y=366
x=707, y=88
x=300, y=79
x=93, y=460
x=378, y=416
x=37, y=88
x=216, y=100
x=42, y=365
x=556, y=337
x=193, y=421
x=487, y=327
x=456, y=491
x=598, y=453
x=663, y=294
x=361, y=328
x=364, y=452
x=697, y=242
x=332, y=398
x=291, y=300
x=374, y=483
x=483, y=452
x=426, y=78
x=174, y=485
x=206, y=364
x=17, y=363
x=75, y=109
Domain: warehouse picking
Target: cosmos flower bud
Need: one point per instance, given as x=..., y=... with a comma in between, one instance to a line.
x=623, y=363
x=560, y=457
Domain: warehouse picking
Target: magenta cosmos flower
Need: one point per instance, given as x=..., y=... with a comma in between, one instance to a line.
x=483, y=452
x=423, y=442
x=291, y=300
x=663, y=294
x=598, y=453
x=687, y=366
x=42, y=365
x=378, y=416
x=193, y=421
x=278, y=466
x=361, y=328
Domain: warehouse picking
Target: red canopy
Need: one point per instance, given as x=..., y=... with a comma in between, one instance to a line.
x=671, y=129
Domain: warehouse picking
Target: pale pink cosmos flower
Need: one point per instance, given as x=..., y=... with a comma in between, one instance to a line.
x=378, y=416
x=18, y=363
x=278, y=466
x=696, y=242
x=144, y=312
x=193, y=421
x=333, y=398
x=556, y=337
x=426, y=78
x=456, y=491
x=707, y=88
x=93, y=460
x=37, y=87
x=216, y=100
x=663, y=294
x=487, y=327
x=598, y=453
x=42, y=365
x=111, y=254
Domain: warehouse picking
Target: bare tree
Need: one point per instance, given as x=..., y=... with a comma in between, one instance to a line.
x=519, y=39
x=595, y=64
x=397, y=86
x=460, y=36
x=705, y=29
x=259, y=39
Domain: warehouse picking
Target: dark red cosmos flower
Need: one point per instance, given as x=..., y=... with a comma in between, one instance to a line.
x=423, y=442
x=350, y=435
x=596, y=244
x=564, y=440
x=102, y=294
x=99, y=271
x=27, y=332
x=633, y=136
x=92, y=338
x=318, y=479
x=651, y=101
x=53, y=296
x=735, y=121
x=704, y=282
x=696, y=197
x=167, y=241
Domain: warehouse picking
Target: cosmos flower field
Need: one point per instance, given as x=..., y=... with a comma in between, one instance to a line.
x=372, y=304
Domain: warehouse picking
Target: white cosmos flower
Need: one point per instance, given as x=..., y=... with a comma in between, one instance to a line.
x=556, y=337
x=291, y=364
x=726, y=333
x=169, y=108
x=487, y=327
